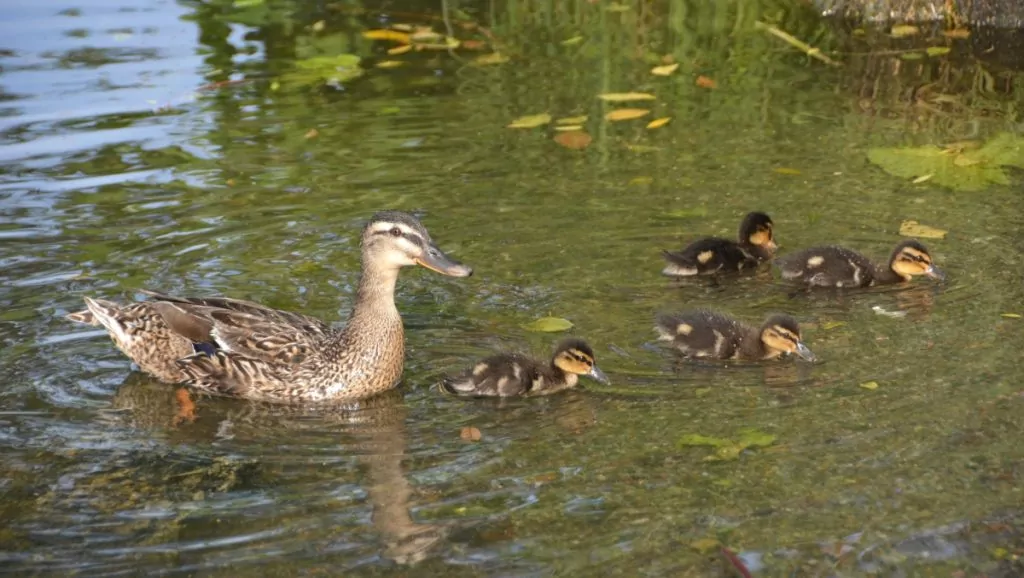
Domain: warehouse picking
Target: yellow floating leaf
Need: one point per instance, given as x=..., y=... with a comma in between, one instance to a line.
x=626, y=114
x=870, y=385
x=705, y=545
x=616, y=7
x=957, y=33
x=492, y=58
x=1012, y=315
x=903, y=30
x=625, y=96
x=572, y=41
x=319, y=25
x=424, y=34
x=786, y=171
x=664, y=70
x=393, y=35
x=911, y=228
x=389, y=64
x=311, y=133
x=403, y=27
x=936, y=50
x=659, y=122
x=470, y=434
x=569, y=127
x=922, y=178
x=639, y=181
x=549, y=325
x=400, y=49
x=572, y=120
x=639, y=148
x=531, y=121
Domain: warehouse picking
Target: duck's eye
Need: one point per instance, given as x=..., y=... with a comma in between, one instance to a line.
x=396, y=232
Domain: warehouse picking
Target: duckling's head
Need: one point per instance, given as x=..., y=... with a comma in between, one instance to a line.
x=393, y=239
x=575, y=356
x=781, y=333
x=911, y=258
x=756, y=229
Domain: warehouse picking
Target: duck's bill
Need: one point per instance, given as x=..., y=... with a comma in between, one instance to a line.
x=599, y=375
x=435, y=260
x=771, y=245
x=804, y=352
x=935, y=273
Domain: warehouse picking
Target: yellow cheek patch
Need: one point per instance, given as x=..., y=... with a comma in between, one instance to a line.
x=761, y=237
x=705, y=256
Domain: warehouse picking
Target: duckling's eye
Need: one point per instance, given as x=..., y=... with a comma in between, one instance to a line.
x=396, y=232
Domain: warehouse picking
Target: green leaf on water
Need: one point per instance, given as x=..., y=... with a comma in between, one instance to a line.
x=959, y=169
x=702, y=440
x=870, y=385
x=332, y=69
x=549, y=325
x=937, y=50
x=752, y=438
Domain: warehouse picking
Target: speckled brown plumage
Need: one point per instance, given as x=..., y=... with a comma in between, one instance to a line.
x=704, y=333
x=834, y=266
x=244, y=349
x=517, y=375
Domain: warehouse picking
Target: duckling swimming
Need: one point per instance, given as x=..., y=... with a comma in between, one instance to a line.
x=704, y=333
x=515, y=375
x=244, y=349
x=834, y=266
x=713, y=254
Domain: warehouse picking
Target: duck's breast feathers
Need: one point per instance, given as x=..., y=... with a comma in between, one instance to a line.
x=505, y=375
x=706, y=256
x=828, y=266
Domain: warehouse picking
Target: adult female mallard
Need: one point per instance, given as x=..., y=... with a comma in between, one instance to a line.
x=712, y=255
x=244, y=349
x=834, y=266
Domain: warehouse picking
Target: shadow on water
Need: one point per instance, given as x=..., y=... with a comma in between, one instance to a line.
x=206, y=148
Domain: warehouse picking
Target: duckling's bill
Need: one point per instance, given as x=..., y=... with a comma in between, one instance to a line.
x=436, y=260
x=935, y=273
x=805, y=352
x=599, y=375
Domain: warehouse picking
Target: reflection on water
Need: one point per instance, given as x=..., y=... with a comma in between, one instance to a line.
x=118, y=173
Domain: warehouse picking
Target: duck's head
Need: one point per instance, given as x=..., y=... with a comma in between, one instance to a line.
x=575, y=356
x=911, y=258
x=393, y=239
x=756, y=229
x=781, y=334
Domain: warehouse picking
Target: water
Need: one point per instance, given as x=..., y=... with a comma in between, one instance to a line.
x=118, y=175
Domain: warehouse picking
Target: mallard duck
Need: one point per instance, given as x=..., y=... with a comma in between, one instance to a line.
x=513, y=374
x=834, y=266
x=716, y=255
x=244, y=349
x=703, y=333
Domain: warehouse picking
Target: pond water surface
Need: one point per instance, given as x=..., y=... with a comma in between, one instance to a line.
x=129, y=161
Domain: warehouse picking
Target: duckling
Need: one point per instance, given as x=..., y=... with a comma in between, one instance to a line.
x=516, y=375
x=713, y=254
x=704, y=333
x=244, y=349
x=834, y=266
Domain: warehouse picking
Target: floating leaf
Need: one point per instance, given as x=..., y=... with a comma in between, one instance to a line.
x=549, y=325
x=531, y=121
x=626, y=114
x=752, y=438
x=705, y=545
x=956, y=167
x=832, y=325
x=659, y=122
x=319, y=26
x=572, y=120
x=616, y=7
x=640, y=181
x=884, y=312
x=492, y=58
x=702, y=440
x=572, y=41
x=912, y=56
x=911, y=228
x=395, y=51
x=956, y=33
x=311, y=133
x=569, y=127
x=393, y=35
x=390, y=64
x=573, y=140
x=705, y=82
x=470, y=434
x=625, y=96
x=1011, y=315
x=664, y=70
x=869, y=385
x=639, y=148
x=337, y=68
x=937, y=50
x=786, y=171
x=903, y=30
x=922, y=179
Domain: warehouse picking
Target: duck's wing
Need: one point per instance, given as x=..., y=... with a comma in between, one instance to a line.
x=830, y=266
x=498, y=376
